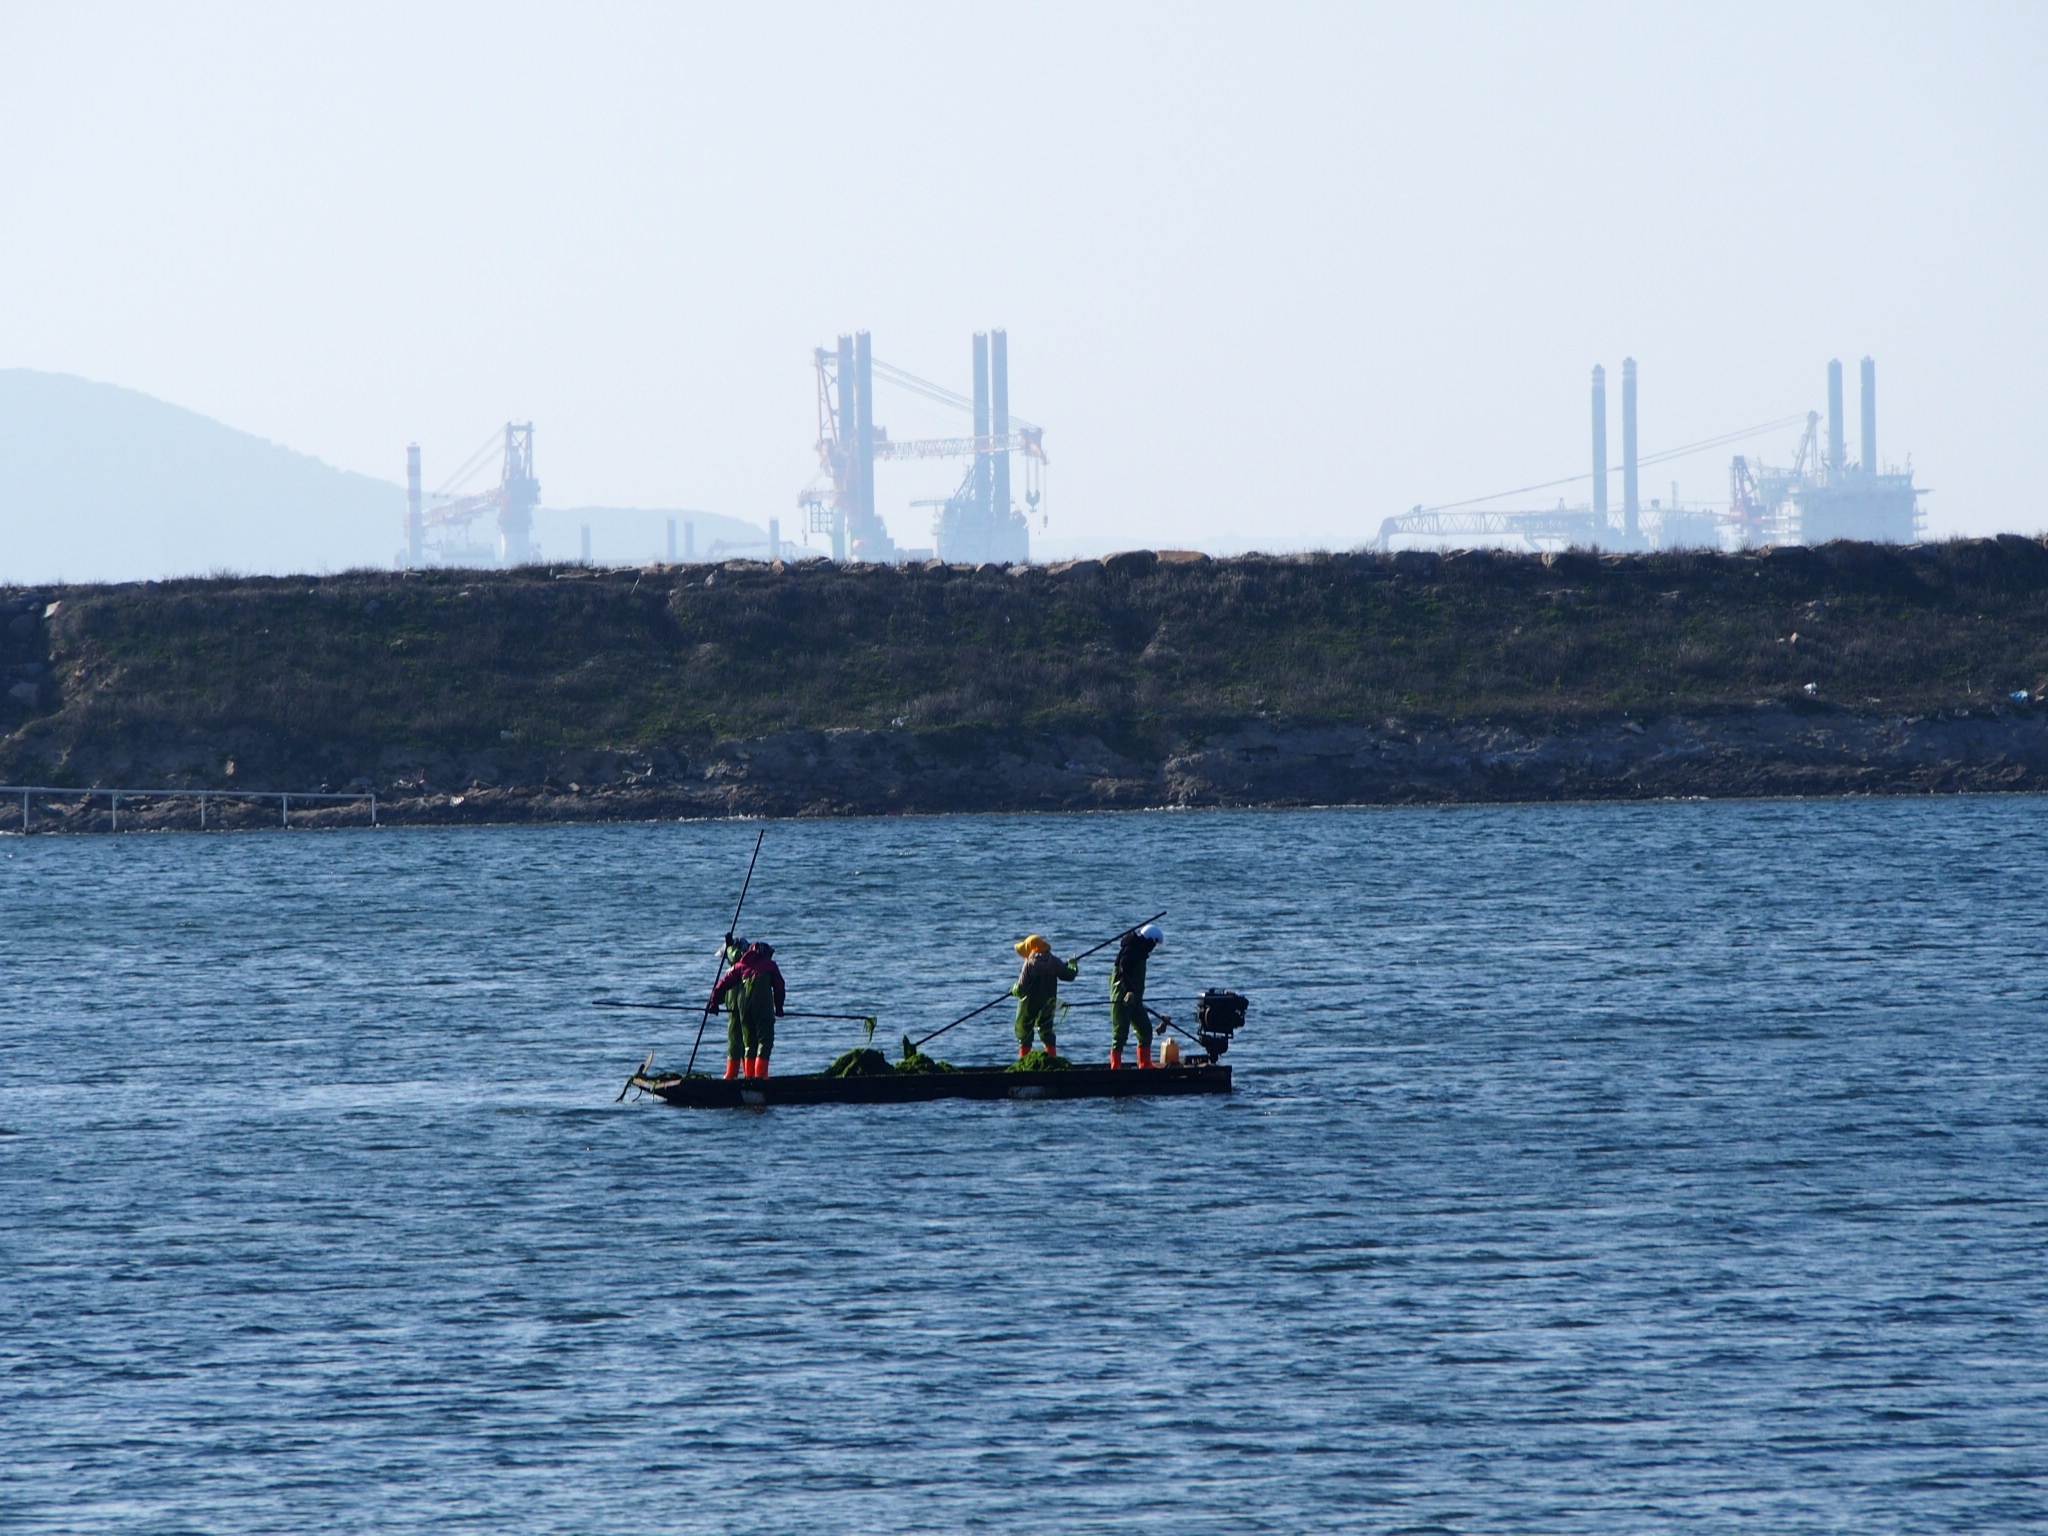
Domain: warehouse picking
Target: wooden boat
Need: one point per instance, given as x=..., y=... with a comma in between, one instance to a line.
x=1198, y=1075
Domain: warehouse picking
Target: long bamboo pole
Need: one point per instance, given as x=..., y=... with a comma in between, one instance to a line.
x=1004, y=996
x=730, y=931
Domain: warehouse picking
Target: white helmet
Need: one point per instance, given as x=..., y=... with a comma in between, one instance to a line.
x=1151, y=931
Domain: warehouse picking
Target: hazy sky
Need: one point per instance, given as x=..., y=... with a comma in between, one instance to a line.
x=1269, y=272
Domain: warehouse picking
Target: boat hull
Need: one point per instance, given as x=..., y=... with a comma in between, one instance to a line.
x=923, y=1087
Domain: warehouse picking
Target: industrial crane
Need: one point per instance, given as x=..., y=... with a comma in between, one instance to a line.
x=1759, y=497
x=512, y=499
x=978, y=522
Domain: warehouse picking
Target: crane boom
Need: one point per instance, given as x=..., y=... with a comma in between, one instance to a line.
x=1030, y=441
x=512, y=499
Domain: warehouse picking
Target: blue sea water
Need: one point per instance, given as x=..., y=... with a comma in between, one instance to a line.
x=1592, y=1168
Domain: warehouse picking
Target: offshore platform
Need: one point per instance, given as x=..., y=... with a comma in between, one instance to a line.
x=980, y=522
x=440, y=530
x=1820, y=496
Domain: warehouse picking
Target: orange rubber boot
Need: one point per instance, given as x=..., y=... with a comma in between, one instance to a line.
x=1144, y=1057
x=760, y=1066
x=1116, y=1061
x=732, y=1069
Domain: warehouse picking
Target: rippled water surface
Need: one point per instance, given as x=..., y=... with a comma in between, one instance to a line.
x=1591, y=1169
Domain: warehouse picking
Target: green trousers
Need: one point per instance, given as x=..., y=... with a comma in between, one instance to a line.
x=1039, y=1020
x=744, y=1039
x=1123, y=1018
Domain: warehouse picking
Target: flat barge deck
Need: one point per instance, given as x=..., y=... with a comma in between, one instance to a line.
x=922, y=1087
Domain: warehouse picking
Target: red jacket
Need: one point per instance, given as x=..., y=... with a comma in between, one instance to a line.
x=751, y=964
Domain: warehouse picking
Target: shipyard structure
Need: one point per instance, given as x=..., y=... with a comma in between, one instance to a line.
x=441, y=529
x=1820, y=496
x=984, y=520
x=1823, y=496
x=981, y=521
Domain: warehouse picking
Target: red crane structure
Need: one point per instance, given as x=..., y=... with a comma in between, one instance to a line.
x=511, y=500
x=979, y=522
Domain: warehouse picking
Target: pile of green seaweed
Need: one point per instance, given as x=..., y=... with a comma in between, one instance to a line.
x=1041, y=1061
x=869, y=1062
x=866, y=1061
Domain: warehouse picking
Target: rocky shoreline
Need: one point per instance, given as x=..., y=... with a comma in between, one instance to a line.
x=1771, y=751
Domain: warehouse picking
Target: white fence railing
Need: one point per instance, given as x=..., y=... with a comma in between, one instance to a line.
x=284, y=798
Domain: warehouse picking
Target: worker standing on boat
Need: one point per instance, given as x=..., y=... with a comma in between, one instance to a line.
x=735, y=1021
x=755, y=984
x=1038, y=993
x=1127, y=1009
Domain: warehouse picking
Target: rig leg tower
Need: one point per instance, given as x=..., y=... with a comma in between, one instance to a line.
x=984, y=470
x=1835, y=454
x=415, y=514
x=999, y=360
x=518, y=495
x=1599, y=446
x=978, y=524
x=1631, y=504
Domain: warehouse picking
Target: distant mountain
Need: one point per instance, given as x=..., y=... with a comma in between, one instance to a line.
x=99, y=483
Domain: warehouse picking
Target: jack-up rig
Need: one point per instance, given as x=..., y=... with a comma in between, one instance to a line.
x=1823, y=496
x=979, y=522
x=1820, y=497
x=448, y=516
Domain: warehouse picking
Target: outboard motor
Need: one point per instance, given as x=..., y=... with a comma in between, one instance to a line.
x=1218, y=1016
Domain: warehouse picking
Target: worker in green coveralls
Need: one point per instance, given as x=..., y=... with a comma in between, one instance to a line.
x=754, y=994
x=1127, y=1009
x=735, y=1020
x=1038, y=993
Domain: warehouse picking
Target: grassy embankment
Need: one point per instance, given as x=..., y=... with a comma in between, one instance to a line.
x=353, y=678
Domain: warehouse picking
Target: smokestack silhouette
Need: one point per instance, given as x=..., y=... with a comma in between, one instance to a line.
x=999, y=419
x=1835, y=454
x=1630, y=505
x=983, y=470
x=864, y=427
x=415, y=520
x=849, y=435
x=1869, y=417
x=1599, y=443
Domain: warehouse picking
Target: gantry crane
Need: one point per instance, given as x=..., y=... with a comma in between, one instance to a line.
x=512, y=499
x=978, y=522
